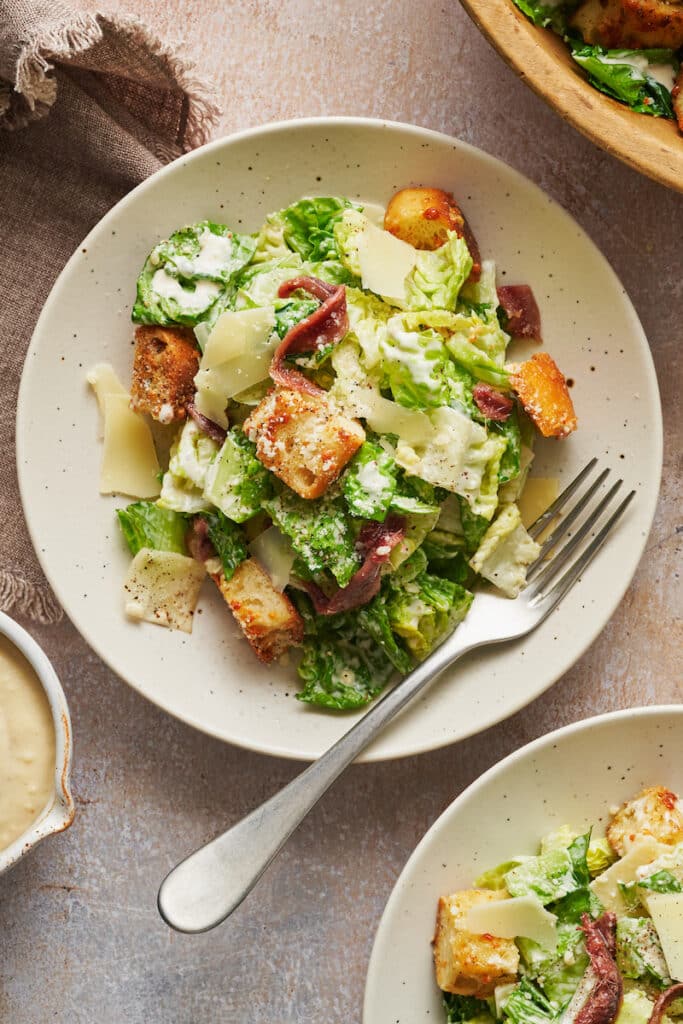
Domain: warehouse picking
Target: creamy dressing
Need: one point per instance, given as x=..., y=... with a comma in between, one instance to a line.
x=371, y=479
x=27, y=745
x=215, y=252
x=662, y=73
x=190, y=301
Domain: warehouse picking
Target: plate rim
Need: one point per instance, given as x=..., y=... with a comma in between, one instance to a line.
x=404, y=749
x=548, y=739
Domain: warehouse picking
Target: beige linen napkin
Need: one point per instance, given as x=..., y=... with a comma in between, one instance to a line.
x=89, y=106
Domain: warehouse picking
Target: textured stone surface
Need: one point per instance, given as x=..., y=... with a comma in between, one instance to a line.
x=81, y=938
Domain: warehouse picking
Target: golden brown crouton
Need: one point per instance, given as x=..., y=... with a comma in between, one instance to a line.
x=626, y=24
x=268, y=619
x=424, y=216
x=656, y=813
x=543, y=392
x=303, y=438
x=467, y=964
x=166, y=361
x=677, y=96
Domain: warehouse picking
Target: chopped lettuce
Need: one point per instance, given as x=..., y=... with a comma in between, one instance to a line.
x=348, y=230
x=191, y=454
x=466, y=1009
x=368, y=318
x=511, y=459
x=228, y=540
x=548, y=15
x=623, y=74
x=636, y=1008
x=438, y=275
x=320, y=532
x=505, y=552
x=369, y=483
x=425, y=609
x=414, y=364
x=599, y=856
x=494, y=878
x=236, y=482
x=639, y=951
x=308, y=226
x=476, y=360
x=146, y=525
x=548, y=877
x=374, y=619
x=184, y=275
x=557, y=973
x=527, y=1004
x=342, y=671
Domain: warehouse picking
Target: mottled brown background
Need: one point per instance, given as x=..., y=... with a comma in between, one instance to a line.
x=80, y=937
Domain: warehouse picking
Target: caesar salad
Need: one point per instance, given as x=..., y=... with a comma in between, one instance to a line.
x=587, y=931
x=349, y=443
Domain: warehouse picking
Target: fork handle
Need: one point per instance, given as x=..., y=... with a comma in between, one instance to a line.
x=207, y=886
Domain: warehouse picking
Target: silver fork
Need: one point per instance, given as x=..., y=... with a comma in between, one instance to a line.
x=208, y=885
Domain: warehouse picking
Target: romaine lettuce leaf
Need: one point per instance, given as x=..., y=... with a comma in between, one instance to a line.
x=438, y=275
x=527, y=1004
x=639, y=951
x=473, y=526
x=494, y=878
x=505, y=552
x=228, y=540
x=374, y=619
x=466, y=1009
x=191, y=454
x=425, y=609
x=369, y=483
x=623, y=74
x=342, y=671
x=548, y=877
x=185, y=275
x=320, y=531
x=368, y=317
x=309, y=226
x=236, y=482
x=476, y=360
x=548, y=15
x=146, y=525
x=414, y=364
x=510, y=463
x=558, y=973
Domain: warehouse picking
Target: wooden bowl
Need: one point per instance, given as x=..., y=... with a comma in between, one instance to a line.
x=652, y=145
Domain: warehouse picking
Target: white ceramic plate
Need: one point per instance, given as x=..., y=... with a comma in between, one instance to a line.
x=211, y=679
x=569, y=777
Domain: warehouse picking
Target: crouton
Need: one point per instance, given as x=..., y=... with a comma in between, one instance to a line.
x=166, y=361
x=677, y=97
x=424, y=216
x=543, y=392
x=467, y=964
x=268, y=619
x=303, y=438
x=627, y=24
x=656, y=813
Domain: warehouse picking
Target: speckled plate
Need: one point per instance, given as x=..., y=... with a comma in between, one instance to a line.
x=569, y=777
x=211, y=678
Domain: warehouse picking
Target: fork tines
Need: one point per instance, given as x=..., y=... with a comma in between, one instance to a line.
x=550, y=561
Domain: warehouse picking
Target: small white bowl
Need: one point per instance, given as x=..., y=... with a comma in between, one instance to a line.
x=569, y=777
x=59, y=810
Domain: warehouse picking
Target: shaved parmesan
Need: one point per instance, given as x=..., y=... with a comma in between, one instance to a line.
x=667, y=913
x=129, y=459
x=520, y=916
x=237, y=333
x=237, y=356
x=272, y=550
x=103, y=380
x=625, y=870
x=385, y=262
x=163, y=587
